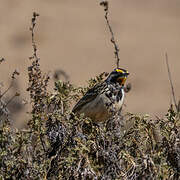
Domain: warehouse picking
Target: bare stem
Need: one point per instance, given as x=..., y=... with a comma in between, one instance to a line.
x=33, y=24
x=113, y=41
x=170, y=79
x=10, y=100
x=10, y=86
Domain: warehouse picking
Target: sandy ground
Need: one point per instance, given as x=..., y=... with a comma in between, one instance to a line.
x=72, y=36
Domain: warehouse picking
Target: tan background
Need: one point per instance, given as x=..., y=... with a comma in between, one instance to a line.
x=72, y=35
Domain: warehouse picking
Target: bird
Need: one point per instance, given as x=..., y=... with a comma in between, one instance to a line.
x=104, y=99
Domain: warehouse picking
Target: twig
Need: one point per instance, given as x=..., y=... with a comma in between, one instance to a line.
x=116, y=52
x=10, y=100
x=2, y=60
x=33, y=24
x=58, y=73
x=11, y=84
x=42, y=142
x=15, y=73
x=170, y=79
x=35, y=77
x=179, y=106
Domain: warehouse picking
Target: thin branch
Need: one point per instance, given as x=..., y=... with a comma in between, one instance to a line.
x=178, y=106
x=170, y=79
x=14, y=74
x=33, y=24
x=116, y=52
x=2, y=60
x=11, y=84
x=42, y=142
x=37, y=82
x=10, y=100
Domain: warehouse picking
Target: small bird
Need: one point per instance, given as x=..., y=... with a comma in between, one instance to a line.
x=100, y=102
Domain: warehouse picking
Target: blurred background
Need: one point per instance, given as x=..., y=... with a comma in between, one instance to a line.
x=72, y=36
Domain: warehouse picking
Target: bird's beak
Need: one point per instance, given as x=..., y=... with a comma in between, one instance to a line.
x=123, y=78
x=126, y=74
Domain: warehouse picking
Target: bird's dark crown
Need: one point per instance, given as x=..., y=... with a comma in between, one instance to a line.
x=118, y=75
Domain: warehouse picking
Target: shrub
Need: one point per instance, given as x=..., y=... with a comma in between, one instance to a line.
x=56, y=144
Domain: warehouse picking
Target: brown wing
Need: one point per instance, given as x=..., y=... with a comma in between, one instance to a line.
x=89, y=96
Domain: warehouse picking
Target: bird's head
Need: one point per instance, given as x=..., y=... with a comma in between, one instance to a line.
x=118, y=75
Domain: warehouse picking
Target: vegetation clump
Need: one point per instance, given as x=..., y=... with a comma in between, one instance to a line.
x=56, y=144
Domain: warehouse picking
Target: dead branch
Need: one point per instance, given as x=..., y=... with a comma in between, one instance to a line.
x=170, y=79
x=113, y=41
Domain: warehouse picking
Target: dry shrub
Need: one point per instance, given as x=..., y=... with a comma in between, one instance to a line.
x=58, y=145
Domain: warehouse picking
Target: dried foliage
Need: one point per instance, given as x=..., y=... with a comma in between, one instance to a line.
x=58, y=145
